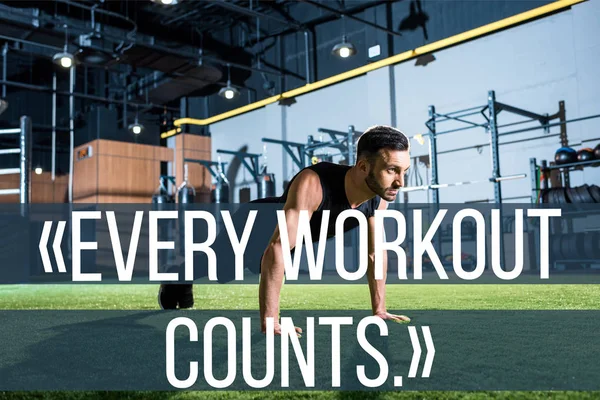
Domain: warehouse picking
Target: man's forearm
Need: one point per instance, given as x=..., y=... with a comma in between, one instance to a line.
x=271, y=280
x=377, y=287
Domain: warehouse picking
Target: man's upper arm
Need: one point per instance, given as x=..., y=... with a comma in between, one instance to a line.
x=305, y=194
x=371, y=222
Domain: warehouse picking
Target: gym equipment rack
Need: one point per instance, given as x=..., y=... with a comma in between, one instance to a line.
x=490, y=112
x=343, y=141
x=24, y=170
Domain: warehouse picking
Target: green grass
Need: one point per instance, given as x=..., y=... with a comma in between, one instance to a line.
x=307, y=297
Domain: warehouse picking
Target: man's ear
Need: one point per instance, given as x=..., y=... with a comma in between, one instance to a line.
x=363, y=165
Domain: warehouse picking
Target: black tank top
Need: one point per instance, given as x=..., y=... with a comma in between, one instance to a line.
x=332, y=178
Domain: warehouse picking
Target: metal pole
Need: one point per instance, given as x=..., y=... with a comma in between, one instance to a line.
x=433, y=154
x=351, y=162
x=564, y=139
x=71, y=131
x=84, y=96
x=543, y=171
x=54, y=127
x=494, y=148
x=307, y=58
x=351, y=158
x=4, y=67
x=434, y=173
x=125, y=106
x=25, y=160
x=534, y=180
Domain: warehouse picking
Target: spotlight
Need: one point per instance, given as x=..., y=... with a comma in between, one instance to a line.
x=166, y=2
x=38, y=171
x=136, y=128
x=229, y=92
x=64, y=59
x=344, y=49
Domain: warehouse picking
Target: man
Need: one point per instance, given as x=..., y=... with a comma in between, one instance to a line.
x=382, y=161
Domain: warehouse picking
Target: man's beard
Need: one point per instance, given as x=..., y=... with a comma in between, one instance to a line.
x=379, y=190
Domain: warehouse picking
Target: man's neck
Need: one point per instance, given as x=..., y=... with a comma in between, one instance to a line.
x=357, y=190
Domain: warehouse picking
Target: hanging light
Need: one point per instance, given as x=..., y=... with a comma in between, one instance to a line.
x=229, y=92
x=344, y=49
x=64, y=58
x=136, y=128
x=38, y=170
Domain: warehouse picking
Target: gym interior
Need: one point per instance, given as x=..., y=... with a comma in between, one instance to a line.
x=112, y=105
x=224, y=102
x=137, y=102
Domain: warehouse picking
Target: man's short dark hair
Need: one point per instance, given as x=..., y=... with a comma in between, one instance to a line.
x=380, y=137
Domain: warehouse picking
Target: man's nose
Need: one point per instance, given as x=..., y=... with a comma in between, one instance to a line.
x=399, y=182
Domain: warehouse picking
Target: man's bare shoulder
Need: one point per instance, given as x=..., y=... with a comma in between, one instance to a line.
x=306, y=190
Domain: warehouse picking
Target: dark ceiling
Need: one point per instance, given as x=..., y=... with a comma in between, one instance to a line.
x=192, y=45
x=170, y=61
x=161, y=53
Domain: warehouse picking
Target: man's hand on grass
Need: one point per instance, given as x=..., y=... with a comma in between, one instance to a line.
x=392, y=317
x=277, y=329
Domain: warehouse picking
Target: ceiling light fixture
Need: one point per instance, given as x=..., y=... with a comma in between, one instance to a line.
x=229, y=92
x=344, y=49
x=64, y=58
x=136, y=128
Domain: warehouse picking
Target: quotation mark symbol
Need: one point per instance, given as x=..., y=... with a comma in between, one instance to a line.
x=60, y=261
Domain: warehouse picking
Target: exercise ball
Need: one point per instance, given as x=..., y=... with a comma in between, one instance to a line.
x=585, y=154
x=565, y=155
x=596, y=156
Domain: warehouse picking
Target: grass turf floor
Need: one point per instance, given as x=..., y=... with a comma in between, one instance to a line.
x=307, y=297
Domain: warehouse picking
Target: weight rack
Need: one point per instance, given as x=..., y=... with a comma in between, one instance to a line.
x=342, y=141
x=24, y=169
x=545, y=170
x=490, y=112
x=253, y=166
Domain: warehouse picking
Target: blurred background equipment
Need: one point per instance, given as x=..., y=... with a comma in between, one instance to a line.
x=163, y=195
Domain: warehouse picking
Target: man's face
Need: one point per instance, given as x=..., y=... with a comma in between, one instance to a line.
x=386, y=175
